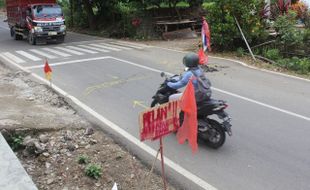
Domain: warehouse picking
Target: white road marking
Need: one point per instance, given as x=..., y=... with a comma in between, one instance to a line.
x=94, y=48
x=13, y=57
x=225, y=92
x=6, y=28
x=57, y=52
x=45, y=55
x=70, y=51
x=263, y=104
x=159, y=71
x=68, y=62
x=15, y=64
x=28, y=55
x=179, y=169
x=105, y=47
x=82, y=49
x=129, y=44
x=115, y=46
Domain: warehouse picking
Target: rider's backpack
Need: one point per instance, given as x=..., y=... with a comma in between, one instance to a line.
x=203, y=90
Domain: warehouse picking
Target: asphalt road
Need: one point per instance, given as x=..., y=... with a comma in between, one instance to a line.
x=270, y=148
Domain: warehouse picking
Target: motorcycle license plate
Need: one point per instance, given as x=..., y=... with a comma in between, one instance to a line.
x=52, y=33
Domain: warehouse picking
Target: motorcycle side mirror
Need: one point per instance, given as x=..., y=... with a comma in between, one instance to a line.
x=162, y=74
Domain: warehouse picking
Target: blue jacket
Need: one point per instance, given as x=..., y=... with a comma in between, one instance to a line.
x=185, y=78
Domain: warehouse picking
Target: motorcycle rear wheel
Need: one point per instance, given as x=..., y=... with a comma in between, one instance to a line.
x=216, y=135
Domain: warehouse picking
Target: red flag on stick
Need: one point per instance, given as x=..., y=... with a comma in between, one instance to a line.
x=47, y=71
x=203, y=58
x=188, y=130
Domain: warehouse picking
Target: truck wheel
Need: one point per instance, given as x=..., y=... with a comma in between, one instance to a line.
x=14, y=35
x=31, y=39
x=61, y=39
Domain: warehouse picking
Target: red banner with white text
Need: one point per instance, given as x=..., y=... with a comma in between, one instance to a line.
x=159, y=121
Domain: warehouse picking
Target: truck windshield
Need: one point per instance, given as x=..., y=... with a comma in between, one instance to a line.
x=47, y=11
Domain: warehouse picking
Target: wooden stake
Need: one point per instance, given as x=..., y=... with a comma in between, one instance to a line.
x=162, y=163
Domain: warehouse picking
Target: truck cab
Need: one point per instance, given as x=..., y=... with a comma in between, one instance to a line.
x=45, y=22
x=39, y=21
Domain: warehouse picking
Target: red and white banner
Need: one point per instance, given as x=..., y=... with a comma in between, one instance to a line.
x=159, y=121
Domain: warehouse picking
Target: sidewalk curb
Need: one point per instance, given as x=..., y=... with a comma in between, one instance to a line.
x=12, y=174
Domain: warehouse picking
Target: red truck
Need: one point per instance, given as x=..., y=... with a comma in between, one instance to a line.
x=37, y=20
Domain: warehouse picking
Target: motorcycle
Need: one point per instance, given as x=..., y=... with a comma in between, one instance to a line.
x=210, y=131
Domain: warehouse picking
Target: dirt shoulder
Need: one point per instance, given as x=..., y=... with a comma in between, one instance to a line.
x=51, y=139
x=192, y=45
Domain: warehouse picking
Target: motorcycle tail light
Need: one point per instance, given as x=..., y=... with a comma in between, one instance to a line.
x=225, y=106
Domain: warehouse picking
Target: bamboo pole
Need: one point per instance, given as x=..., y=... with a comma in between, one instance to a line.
x=162, y=163
x=246, y=42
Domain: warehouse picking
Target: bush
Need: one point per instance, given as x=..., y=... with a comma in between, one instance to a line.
x=307, y=20
x=93, y=170
x=240, y=52
x=16, y=142
x=283, y=63
x=288, y=35
x=83, y=159
x=301, y=66
x=273, y=54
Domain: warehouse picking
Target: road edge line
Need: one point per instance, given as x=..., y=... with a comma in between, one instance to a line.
x=222, y=91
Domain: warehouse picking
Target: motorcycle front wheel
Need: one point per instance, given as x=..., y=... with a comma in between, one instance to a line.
x=154, y=103
x=216, y=135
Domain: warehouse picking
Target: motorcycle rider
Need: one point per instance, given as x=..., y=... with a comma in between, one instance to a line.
x=202, y=87
x=191, y=62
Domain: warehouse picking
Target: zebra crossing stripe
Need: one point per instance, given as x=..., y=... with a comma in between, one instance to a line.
x=13, y=57
x=46, y=55
x=57, y=52
x=94, y=48
x=115, y=46
x=70, y=51
x=105, y=47
x=133, y=45
x=28, y=55
x=82, y=49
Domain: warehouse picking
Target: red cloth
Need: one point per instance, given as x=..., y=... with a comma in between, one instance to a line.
x=203, y=58
x=188, y=130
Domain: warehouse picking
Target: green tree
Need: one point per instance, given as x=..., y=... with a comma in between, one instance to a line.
x=88, y=7
x=225, y=34
x=1, y=3
x=289, y=37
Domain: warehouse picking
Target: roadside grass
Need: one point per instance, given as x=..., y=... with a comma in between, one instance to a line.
x=260, y=64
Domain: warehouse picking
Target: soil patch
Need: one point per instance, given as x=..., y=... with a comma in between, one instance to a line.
x=50, y=139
